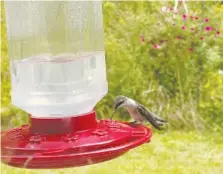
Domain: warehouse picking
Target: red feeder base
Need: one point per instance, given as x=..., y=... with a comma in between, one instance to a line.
x=69, y=142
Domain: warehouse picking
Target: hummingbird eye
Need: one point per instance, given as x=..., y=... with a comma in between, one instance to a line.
x=118, y=103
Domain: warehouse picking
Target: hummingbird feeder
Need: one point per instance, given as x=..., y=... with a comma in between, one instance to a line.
x=58, y=74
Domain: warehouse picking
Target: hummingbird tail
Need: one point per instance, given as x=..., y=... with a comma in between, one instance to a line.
x=155, y=124
x=160, y=120
x=150, y=117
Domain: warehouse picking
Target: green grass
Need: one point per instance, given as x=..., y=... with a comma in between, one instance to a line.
x=167, y=153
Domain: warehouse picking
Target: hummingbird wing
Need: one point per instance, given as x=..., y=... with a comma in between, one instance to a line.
x=149, y=116
x=154, y=115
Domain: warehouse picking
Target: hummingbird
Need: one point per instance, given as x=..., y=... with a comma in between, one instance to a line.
x=137, y=111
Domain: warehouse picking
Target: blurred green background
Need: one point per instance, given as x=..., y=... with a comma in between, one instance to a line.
x=184, y=87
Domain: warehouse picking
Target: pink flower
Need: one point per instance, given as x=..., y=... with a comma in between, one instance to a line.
x=142, y=39
x=183, y=27
x=192, y=29
x=206, y=20
x=175, y=11
x=218, y=33
x=163, y=41
x=208, y=28
x=163, y=9
x=178, y=37
x=156, y=46
x=184, y=16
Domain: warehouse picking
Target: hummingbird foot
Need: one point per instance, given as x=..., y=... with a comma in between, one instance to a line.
x=133, y=123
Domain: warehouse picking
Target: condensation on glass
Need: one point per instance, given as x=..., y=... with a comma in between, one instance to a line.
x=57, y=58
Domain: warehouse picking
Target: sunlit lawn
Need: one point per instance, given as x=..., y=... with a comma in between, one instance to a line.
x=168, y=153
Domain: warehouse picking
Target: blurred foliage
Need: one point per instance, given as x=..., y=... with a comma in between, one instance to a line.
x=182, y=86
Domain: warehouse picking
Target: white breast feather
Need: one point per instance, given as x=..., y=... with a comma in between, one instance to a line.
x=131, y=108
x=130, y=102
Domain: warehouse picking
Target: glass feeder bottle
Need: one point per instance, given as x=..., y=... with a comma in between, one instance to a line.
x=57, y=59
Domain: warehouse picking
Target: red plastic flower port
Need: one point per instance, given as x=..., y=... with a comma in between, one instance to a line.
x=206, y=20
x=183, y=27
x=208, y=28
x=50, y=144
x=184, y=16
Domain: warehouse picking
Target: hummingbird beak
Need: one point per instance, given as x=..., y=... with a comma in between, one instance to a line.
x=117, y=104
x=112, y=114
